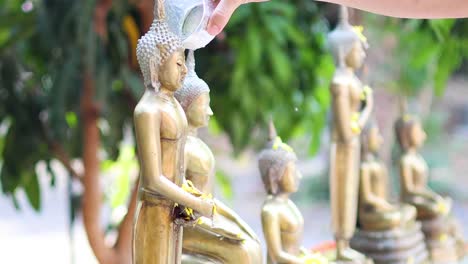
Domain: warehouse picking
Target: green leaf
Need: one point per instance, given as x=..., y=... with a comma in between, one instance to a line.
x=31, y=187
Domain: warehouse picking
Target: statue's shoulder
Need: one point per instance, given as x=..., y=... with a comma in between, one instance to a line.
x=270, y=207
x=148, y=104
x=406, y=159
x=340, y=81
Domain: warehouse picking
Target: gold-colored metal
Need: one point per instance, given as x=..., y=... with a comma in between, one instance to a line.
x=351, y=107
x=414, y=170
x=161, y=131
x=443, y=234
x=226, y=238
x=282, y=221
x=375, y=212
x=388, y=233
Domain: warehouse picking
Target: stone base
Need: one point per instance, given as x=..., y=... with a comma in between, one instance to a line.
x=393, y=246
x=365, y=261
x=442, y=246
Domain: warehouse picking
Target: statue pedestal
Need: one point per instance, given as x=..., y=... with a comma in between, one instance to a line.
x=400, y=245
x=366, y=261
x=441, y=244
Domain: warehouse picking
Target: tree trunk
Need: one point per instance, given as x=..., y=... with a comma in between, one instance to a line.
x=121, y=252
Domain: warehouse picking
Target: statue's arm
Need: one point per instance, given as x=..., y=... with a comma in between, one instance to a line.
x=227, y=212
x=147, y=129
x=341, y=110
x=366, y=190
x=271, y=230
x=407, y=177
x=366, y=111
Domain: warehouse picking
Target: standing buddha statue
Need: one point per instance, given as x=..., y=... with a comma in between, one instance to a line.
x=161, y=131
x=351, y=106
x=226, y=238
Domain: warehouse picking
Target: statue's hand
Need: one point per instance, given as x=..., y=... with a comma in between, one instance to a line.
x=224, y=230
x=207, y=207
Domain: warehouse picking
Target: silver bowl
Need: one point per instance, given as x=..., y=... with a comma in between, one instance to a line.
x=189, y=19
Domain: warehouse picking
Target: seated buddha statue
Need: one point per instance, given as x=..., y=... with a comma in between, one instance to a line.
x=375, y=211
x=442, y=232
x=414, y=171
x=226, y=238
x=282, y=221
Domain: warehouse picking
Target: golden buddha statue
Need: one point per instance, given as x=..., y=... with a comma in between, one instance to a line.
x=226, y=238
x=351, y=106
x=442, y=232
x=388, y=233
x=282, y=221
x=161, y=131
x=414, y=171
x=375, y=212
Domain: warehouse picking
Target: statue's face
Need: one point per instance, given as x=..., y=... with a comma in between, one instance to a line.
x=355, y=57
x=417, y=134
x=172, y=72
x=375, y=139
x=199, y=112
x=289, y=183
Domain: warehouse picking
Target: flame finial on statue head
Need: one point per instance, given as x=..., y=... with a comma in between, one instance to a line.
x=159, y=10
x=190, y=63
x=343, y=16
x=272, y=135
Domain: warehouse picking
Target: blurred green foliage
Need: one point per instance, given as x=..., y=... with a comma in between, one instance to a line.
x=426, y=53
x=272, y=63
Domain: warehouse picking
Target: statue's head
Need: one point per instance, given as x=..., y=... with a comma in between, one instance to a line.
x=277, y=164
x=194, y=96
x=409, y=132
x=160, y=55
x=347, y=43
x=371, y=139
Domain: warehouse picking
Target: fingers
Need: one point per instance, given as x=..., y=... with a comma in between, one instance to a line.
x=221, y=15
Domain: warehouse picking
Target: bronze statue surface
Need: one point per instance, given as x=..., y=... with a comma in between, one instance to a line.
x=388, y=232
x=226, y=238
x=443, y=234
x=282, y=221
x=161, y=131
x=348, y=119
x=375, y=211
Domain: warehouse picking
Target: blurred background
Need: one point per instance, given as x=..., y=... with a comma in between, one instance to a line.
x=69, y=81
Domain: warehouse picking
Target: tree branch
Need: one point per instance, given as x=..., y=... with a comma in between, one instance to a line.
x=92, y=197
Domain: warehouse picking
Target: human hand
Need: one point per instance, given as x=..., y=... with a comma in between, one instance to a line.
x=222, y=14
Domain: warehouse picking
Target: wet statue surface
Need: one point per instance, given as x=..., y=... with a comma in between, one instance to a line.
x=282, y=222
x=351, y=107
x=226, y=238
x=443, y=234
x=161, y=131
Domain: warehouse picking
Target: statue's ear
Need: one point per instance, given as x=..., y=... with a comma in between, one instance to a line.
x=154, y=72
x=273, y=179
